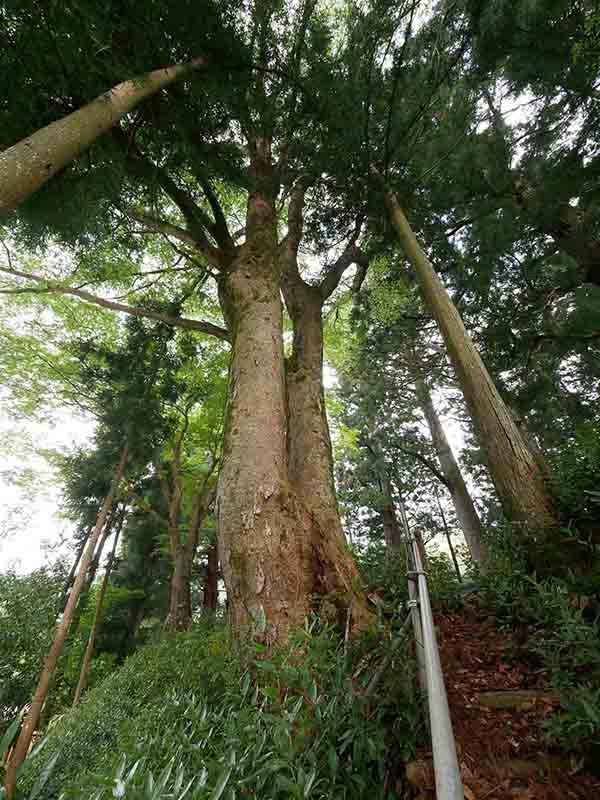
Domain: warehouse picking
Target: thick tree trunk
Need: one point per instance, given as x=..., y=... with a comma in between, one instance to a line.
x=309, y=449
x=264, y=531
x=518, y=477
x=22, y=746
x=465, y=510
x=27, y=165
x=211, y=585
x=89, y=650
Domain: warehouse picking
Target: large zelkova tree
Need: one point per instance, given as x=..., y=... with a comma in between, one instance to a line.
x=178, y=169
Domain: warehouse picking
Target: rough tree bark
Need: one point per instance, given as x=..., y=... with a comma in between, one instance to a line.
x=309, y=443
x=519, y=478
x=465, y=510
x=89, y=649
x=278, y=540
x=23, y=742
x=264, y=530
x=27, y=165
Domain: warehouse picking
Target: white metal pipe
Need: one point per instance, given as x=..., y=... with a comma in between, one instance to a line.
x=413, y=602
x=448, y=784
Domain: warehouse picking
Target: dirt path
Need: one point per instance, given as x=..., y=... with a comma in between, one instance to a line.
x=503, y=752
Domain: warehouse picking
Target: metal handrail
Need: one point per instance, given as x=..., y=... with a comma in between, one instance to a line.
x=448, y=783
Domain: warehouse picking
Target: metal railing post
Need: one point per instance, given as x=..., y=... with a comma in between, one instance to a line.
x=448, y=784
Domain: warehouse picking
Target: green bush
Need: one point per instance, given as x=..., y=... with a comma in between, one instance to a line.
x=564, y=637
x=298, y=722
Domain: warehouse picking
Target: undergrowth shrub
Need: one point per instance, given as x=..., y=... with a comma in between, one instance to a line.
x=563, y=633
x=320, y=718
x=386, y=573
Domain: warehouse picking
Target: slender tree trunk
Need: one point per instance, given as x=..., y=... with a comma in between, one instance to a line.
x=27, y=165
x=391, y=529
x=179, y=617
x=89, y=650
x=520, y=481
x=418, y=534
x=22, y=746
x=183, y=553
x=466, y=512
x=449, y=539
x=71, y=577
x=211, y=590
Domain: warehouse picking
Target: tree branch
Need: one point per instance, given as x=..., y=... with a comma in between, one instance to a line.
x=352, y=255
x=53, y=287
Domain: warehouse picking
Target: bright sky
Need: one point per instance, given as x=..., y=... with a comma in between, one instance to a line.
x=30, y=511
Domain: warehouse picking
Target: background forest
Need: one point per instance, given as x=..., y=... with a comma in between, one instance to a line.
x=285, y=285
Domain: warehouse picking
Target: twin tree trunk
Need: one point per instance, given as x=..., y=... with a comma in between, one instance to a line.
x=465, y=510
x=24, y=741
x=280, y=540
x=519, y=477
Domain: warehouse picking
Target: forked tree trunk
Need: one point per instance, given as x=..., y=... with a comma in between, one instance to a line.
x=22, y=746
x=211, y=585
x=465, y=510
x=27, y=165
x=519, y=479
x=89, y=649
x=274, y=554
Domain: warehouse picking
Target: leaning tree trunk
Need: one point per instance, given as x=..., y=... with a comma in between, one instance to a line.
x=23, y=742
x=89, y=649
x=27, y=165
x=71, y=576
x=519, y=479
x=310, y=454
x=465, y=510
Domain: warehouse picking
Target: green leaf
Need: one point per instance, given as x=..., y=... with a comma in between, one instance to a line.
x=221, y=783
x=43, y=779
x=8, y=737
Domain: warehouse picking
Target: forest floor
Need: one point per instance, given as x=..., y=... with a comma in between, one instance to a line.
x=503, y=751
